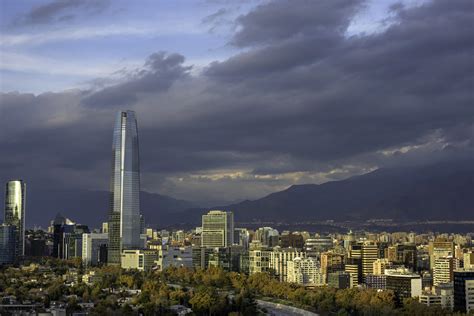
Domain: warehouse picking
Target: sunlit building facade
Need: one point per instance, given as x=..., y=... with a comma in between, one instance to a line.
x=15, y=212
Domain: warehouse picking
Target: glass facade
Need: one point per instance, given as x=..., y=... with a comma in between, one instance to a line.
x=15, y=212
x=7, y=244
x=124, y=214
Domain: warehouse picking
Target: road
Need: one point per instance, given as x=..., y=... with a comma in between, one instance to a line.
x=283, y=310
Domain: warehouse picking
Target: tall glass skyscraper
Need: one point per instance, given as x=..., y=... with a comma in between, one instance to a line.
x=15, y=213
x=124, y=214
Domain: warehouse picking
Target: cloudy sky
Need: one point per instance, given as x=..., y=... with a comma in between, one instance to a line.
x=235, y=99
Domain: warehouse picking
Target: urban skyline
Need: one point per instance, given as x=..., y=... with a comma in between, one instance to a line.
x=274, y=157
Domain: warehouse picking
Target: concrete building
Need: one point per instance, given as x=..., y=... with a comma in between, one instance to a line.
x=464, y=290
x=440, y=248
x=339, y=280
x=305, y=271
x=403, y=283
x=91, y=248
x=442, y=296
x=331, y=262
x=376, y=281
x=174, y=256
x=139, y=259
x=217, y=229
x=279, y=258
x=380, y=265
x=268, y=236
x=259, y=260
x=443, y=270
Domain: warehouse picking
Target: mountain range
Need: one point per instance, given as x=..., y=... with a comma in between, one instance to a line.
x=443, y=191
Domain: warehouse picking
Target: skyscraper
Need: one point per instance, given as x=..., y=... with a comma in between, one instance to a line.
x=124, y=213
x=15, y=213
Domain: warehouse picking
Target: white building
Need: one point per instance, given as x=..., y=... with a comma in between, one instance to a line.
x=304, y=271
x=142, y=260
x=279, y=259
x=443, y=270
x=170, y=256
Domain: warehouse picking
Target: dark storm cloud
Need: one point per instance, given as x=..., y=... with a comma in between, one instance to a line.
x=61, y=10
x=304, y=96
x=160, y=71
x=287, y=19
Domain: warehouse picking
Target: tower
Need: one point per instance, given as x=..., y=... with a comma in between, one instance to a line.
x=124, y=212
x=15, y=213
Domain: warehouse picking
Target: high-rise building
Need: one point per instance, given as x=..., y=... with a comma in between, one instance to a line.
x=440, y=248
x=217, y=229
x=443, y=270
x=15, y=212
x=380, y=265
x=279, y=258
x=91, y=245
x=267, y=236
x=124, y=214
x=7, y=244
x=304, y=271
x=331, y=262
x=464, y=290
x=370, y=253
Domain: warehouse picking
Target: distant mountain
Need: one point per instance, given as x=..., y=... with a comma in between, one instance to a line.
x=443, y=191
x=90, y=207
x=435, y=192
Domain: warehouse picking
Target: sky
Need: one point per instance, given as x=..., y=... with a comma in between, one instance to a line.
x=234, y=99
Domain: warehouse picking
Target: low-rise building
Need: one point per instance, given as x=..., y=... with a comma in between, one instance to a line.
x=142, y=260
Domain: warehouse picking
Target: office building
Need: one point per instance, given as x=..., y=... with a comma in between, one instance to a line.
x=380, y=265
x=353, y=266
x=443, y=270
x=139, y=259
x=440, y=248
x=267, y=236
x=331, y=262
x=339, y=280
x=200, y=257
x=442, y=295
x=242, y=237
x=376, y=281
x=314, y=246
x=291, y=239
x=463, y=290
x=91, y=248
x=370, y=253
x=217, y=229
x=15, y=199
x=124, y=214
x=174, y=256
x=7, y=244
x=468, y=260
x=403, y=283
x=228, y=258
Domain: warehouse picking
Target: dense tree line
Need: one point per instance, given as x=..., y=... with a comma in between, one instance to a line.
x=207, y=292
